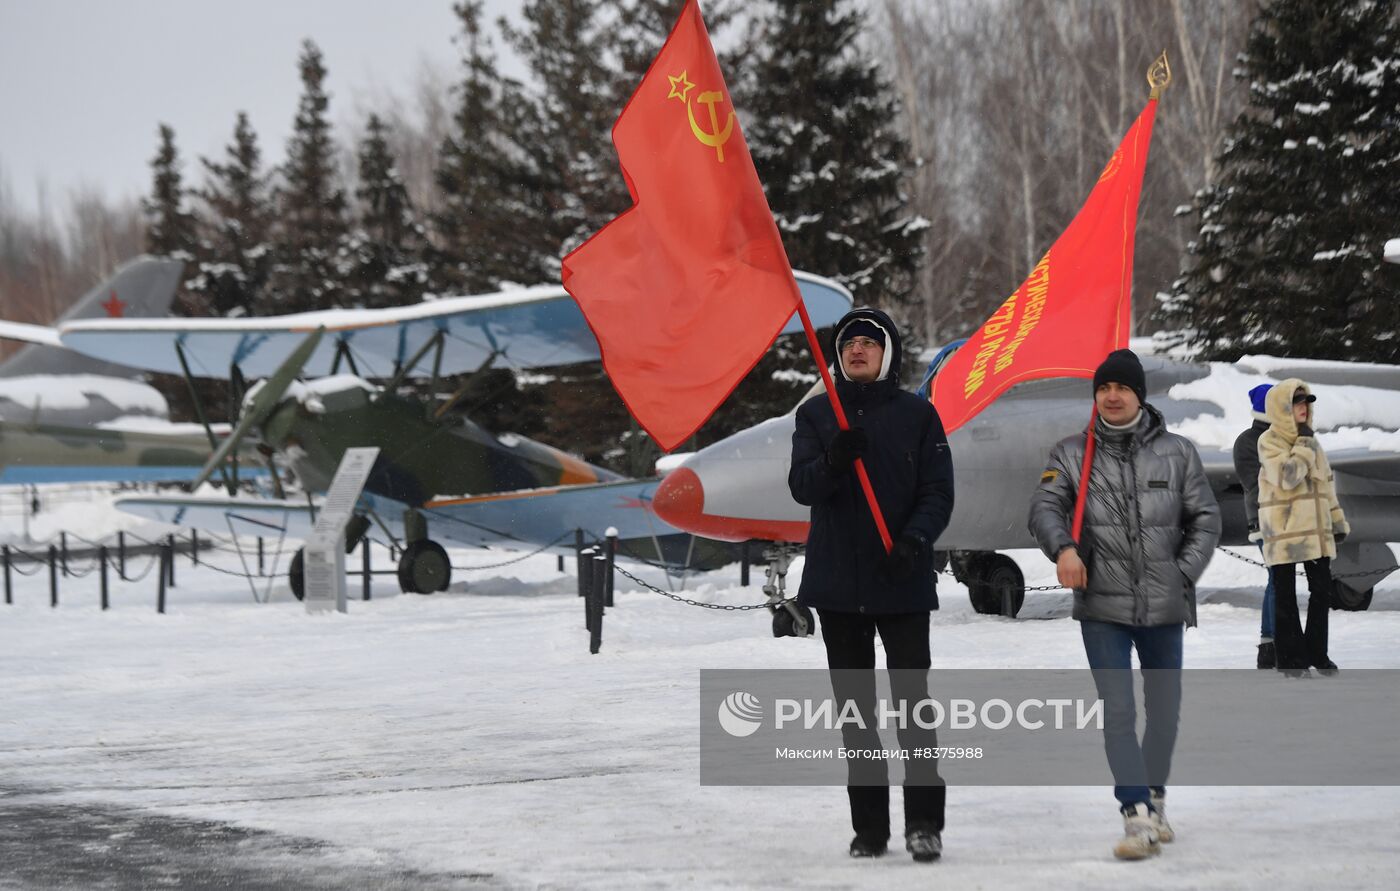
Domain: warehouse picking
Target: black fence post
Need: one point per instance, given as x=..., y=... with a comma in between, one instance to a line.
x=121, y=556
x=53, y=576
x=368, y=573
x=63, y=552
x=744, y=565
x=261, y=571
x=163, y=555
x=578, y=561
x=194, y=547
x=595, y=603
x=585, y=583
x=9, y=592
x=102, y=562
x=170, y=560
x=611, y=554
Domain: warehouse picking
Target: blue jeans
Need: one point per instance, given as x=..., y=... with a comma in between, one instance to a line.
x=1109, y=647
x=1266, y=611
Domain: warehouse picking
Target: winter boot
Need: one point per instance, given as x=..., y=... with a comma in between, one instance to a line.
x=1140, y=839
x=1266, y=655
x=1165, y=833
x=1327, y=668
x=925, y=844
x=867, y=847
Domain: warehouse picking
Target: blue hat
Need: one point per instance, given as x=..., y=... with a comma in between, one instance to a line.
x=1256, y=397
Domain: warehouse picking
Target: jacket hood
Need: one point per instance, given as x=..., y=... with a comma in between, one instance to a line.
x=893, y=347
x=1279, y=407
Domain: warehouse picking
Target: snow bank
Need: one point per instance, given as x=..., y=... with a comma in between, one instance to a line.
x=75, y=391
x=1347, y=416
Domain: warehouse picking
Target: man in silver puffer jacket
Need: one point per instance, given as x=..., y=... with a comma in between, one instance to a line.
x=1151, y=524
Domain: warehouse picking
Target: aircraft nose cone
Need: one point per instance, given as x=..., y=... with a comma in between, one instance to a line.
x=680, y=499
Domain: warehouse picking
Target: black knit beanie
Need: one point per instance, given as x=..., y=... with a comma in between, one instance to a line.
x=862, y=328
x=1122, y=367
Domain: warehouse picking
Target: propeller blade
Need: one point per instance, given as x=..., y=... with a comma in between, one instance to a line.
x=266, y=399
x=238, y=388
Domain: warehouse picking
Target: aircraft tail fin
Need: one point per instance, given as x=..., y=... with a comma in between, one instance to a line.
x=144, y=287
x=140, y=288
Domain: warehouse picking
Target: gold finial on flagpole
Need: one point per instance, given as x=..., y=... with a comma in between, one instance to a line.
x=1159, y=76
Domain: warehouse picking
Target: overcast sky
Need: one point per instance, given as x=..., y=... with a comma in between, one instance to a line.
x=85, y=83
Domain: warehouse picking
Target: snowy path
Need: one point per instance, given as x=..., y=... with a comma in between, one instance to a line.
x=472, y=735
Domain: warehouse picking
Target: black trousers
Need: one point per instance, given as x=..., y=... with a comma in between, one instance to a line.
x=850, y=644
x=1294, y=647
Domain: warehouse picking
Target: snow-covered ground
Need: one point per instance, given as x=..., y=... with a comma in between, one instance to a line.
x=471, y=733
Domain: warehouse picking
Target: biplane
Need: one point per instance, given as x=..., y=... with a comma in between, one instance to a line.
x=327, y=381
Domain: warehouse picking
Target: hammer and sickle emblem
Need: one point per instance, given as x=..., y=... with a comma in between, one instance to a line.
x=715, y=138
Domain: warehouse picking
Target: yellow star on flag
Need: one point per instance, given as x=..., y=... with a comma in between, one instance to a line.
x=680, y=87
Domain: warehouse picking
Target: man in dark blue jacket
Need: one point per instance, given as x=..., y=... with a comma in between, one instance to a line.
x=856, y=587
x=1246, y=456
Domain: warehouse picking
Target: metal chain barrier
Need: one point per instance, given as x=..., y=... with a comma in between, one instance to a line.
x=150, y=564
x=1301, y=574
x=686, y=600
x=540, y=550
x=949, y=572
x=39, y=562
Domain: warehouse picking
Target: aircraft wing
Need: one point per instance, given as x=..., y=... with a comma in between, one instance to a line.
x=25, y=333
x=529, y=328
x=53, y=453
x=532, y=518
x=543, y=516
x=265, y=517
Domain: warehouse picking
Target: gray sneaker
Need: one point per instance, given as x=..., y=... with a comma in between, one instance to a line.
x=1140, y=839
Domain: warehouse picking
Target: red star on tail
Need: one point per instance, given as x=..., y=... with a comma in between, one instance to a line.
x=115, y=307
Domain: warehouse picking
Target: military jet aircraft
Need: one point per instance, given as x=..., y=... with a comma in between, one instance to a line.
x=36, y=454
x=436, y=465
x=736, y=489
x=44, y=383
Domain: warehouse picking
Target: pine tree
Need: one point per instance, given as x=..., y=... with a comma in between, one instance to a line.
x=1288, y=255
x=488, y=228
x=564, y=126
x=819, y=119
x=388, y=246
x=237, y=256
x=643, y=25
x=308, y=271
x=170, y=227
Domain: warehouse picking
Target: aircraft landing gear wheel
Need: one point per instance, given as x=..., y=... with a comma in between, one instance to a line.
x=784, y=625
x=1350, y=599
x=990, y=578
x=424, y=568
x=296, y=574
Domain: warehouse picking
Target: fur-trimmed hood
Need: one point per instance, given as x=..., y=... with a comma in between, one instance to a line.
x=1279, y=408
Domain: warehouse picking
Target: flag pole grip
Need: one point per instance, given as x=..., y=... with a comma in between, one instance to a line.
x=1084, y=470
x=843, y=423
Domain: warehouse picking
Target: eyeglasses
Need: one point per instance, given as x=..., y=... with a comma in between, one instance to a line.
x=865, y=343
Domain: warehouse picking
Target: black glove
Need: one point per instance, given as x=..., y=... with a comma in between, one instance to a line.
x=846, y=446
x=1339, y=537
x=903, y=558
x=1304, y=430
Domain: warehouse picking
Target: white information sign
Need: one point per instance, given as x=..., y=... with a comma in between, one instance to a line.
x=324, y=557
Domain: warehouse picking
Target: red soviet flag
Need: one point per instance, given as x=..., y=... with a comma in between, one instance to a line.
x=1074, y=308
x=689, y=287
